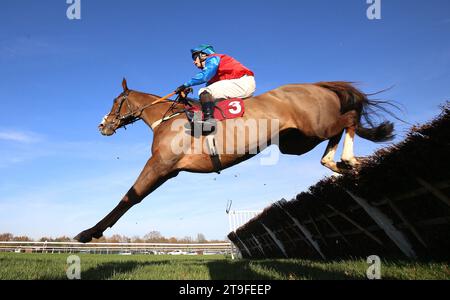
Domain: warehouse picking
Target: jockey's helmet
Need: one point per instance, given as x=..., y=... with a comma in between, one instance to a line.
x=203, y=48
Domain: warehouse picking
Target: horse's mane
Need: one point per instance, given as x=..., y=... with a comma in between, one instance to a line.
x=144, y=93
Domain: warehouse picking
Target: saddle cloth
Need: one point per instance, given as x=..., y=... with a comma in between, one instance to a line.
x=225, y=109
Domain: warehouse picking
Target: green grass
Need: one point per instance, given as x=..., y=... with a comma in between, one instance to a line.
x=162, y=267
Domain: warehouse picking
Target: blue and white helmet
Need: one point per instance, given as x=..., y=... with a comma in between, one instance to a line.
x=203, y=48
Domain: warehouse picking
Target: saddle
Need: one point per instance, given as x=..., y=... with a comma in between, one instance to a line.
x=224, y=109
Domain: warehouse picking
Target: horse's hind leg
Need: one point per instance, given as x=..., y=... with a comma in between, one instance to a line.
x=348, y=156
x=330, y=152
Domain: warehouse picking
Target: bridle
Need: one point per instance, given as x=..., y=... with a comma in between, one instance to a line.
x=133, y=115
x=129, y=117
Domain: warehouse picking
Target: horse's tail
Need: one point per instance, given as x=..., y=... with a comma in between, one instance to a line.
x=353, y=99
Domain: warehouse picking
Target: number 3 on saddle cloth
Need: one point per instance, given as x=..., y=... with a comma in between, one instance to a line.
x=225, y=109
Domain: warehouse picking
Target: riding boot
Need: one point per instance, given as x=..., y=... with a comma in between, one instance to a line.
x=208, y=113
x=208, y=123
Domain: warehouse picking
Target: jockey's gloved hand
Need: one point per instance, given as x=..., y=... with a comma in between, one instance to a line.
x=180, y=89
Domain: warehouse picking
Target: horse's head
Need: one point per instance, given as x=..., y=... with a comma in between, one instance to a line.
x=121, y=113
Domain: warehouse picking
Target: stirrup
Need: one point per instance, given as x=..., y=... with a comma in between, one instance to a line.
x=211, y=122
x=196, y=118
x=207, y=126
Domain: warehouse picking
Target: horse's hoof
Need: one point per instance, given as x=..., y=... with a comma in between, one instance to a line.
x=334, y=168
x=345, y=168
x=351, y=163
x=97, y=235
x=87, y=235
x=84, y=237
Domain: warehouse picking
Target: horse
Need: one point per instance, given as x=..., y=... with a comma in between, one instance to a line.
x=307, y=114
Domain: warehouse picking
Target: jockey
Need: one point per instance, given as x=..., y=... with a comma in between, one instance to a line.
x=224, y=76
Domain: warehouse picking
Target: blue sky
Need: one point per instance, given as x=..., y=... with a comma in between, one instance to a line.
x=58, y=77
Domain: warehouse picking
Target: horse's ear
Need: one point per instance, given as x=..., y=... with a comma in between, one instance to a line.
x=124, y=85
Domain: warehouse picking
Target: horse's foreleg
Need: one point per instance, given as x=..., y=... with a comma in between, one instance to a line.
x=155, y=173
x=330, y=152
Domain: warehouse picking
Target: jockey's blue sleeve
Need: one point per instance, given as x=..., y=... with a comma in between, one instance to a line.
x=210, y=70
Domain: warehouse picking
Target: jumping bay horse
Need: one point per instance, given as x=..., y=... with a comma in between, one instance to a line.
x=308, y=114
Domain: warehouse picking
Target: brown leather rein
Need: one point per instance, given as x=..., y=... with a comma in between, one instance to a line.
x=132, y=115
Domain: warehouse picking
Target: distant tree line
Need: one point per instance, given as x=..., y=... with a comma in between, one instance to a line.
x=151, y=237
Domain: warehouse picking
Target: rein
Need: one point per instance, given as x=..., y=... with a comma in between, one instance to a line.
x=133, y=116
